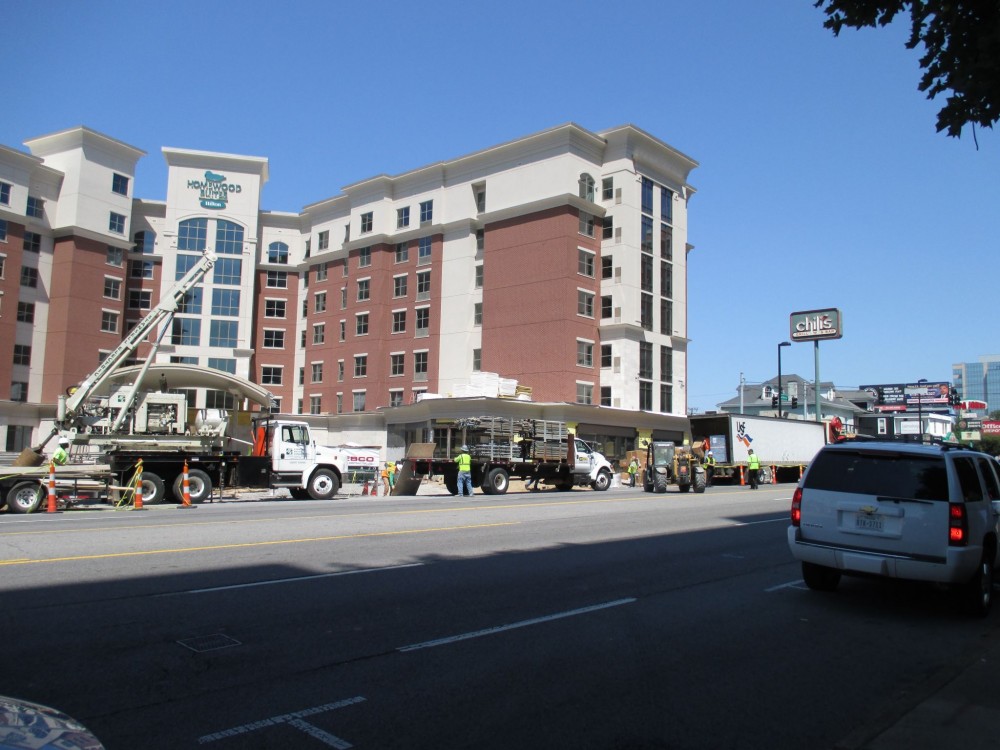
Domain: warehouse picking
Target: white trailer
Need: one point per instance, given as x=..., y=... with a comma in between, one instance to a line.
x=784, y=446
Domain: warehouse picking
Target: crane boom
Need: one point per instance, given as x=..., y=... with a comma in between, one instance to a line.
x=69, y=407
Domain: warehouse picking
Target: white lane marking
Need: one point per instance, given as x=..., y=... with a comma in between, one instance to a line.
x=291, y=580
x=293, y=719
x=319, y=734
x=790, y=585
x=515, y=625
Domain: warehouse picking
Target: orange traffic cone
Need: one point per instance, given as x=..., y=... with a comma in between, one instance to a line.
x=365, y=490
x=774, y=475
x=743, y=481
x=51, y=507
x=137, y=504
x=186, y=489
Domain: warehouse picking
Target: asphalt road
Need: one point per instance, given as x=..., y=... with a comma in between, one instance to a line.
x=531, y=620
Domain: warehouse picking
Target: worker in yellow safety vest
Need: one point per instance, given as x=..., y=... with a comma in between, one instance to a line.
x=753, y=468
x=464, y=462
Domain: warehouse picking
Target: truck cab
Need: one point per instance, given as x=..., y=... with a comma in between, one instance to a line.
x=291, y=459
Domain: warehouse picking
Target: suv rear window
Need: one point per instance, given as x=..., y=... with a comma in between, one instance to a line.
x=877, y=473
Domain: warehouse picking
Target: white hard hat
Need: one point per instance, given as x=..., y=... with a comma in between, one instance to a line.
x=464, y=448
x=64, y=441
x=710, y=453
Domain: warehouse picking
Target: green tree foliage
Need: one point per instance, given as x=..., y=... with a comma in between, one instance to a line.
x=961, y=50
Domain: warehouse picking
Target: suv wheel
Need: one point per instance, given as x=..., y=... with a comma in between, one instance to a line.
x=820, y=578
x=978, y=592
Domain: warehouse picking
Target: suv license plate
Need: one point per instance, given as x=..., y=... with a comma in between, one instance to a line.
x=870, y=523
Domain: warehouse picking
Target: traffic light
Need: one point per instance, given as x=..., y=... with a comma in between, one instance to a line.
x=774, y=402
x=795, y=402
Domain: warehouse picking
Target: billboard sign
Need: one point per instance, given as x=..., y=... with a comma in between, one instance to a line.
x=816, y=325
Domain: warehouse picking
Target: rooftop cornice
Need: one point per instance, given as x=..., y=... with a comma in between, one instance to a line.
x=80, y=136
x=182, y=157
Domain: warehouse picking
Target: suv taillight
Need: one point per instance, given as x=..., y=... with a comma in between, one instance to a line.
x=958, y=525
x=797, y=507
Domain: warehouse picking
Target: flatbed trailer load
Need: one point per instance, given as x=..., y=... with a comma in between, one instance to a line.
x=505, y=448
x=24, y=489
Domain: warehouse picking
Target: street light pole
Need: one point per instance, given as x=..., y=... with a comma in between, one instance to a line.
x=783, y=343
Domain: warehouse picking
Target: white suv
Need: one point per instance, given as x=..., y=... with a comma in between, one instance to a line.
x=899, y=510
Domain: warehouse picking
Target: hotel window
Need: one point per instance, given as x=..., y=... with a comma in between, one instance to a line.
x=226, y=302
x=277, y=252
x=183, y=264
x=607, y=228
x=606, y=309
x=317, y=372
x=141, y=269
x=607, y=267
x=144, y=242
x=587, y=187
x=18, y=391
x=584, y=393
x=606, y=355
x=585, y=353
x=323, y=241
x=319, y=333
x=586, y=224
x=423, y=285
x=607, y=188
x=666, y=317
x=666, y=242
x=479, y=193
x=343, y=298
x=424, y=246
x=399, y=321
x=347, y=234
x=426, y=211
x=645, y=360
x=274, y=338
x=25, y=312
x=119, y=184
x=270, y=375
x=359, y=400
x=646, y=273
x=584, y=303
x=399, y=286
x=479, y=276
x=477, y=314
x=142, y=299
x=315, y=404
x=112, y=288
x=343, y=330
x=585, y=261
x=190, y=303
x=477, y=360
x=22, y=354
x=397, y=364
x=322, y=271
x=274, y=308
x=3, y=230
x=35, y=207
x=32, y=242
x=423, y=321
x=116, y=223
x=361, y=324
x=364, y=289
x=666, y=398
x=229, y=271
x=277, y=279
x=402, y=217
x=223, y=333
x=5, y=193
x=666, y=364
x=645, y=395
x=647, y=235
x=29, y=276
x=340, y=371
x=3, y=265
x=364, y=257
x=605, y=395
x=308, y=248
x=319, y=303
x=109, y=321
x=192, y=235
x=395, y=398
x=646, y=312
x=420, y=366
x=223, y=364
x=228, y=238
x=115, y=256
x=402, y=252
x=302, y=338
x=666, y=279
x=667, y=205
x=480, y=240
x=647, y=196
x=366, y=222
x=361, y=366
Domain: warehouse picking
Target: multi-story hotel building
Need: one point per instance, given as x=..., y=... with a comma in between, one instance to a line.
x=558, y=260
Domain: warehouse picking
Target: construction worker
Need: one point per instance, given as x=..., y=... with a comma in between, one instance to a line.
x=709, y=464
x=633, y=469
x=60, y=457
x=464, y=462
x=753, y=468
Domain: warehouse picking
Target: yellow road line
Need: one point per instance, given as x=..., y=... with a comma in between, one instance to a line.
x=275, y=542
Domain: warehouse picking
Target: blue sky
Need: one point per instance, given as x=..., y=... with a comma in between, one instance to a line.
x=822, y=181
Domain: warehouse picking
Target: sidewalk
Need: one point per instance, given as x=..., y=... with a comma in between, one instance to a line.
x=961, y=710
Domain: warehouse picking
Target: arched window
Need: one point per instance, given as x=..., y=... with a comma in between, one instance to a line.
x=228, y=238
x=192, y=235
x=587, y=187
x=277, y=252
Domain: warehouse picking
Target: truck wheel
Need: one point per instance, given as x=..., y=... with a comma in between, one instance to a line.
x=699, y=482
x=820, y=577
x=451, y=482
x=199, y=486
x=153, y=489
x=496, y=482
x=323, y=484
x=659, y=483
x=603, y=481
x=25, y=497
x=977, y=594
x=684, y=487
